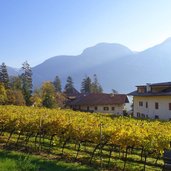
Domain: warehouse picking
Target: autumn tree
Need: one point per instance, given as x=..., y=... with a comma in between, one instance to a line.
x=3, y=94
x=37, y=98
x=48, y=95
x=15, y=97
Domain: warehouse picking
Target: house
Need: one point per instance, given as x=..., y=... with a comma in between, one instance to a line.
x=72, y=94
x=99, y=102
x=152, y=101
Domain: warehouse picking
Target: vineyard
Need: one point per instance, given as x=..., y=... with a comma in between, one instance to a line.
x=85, y=137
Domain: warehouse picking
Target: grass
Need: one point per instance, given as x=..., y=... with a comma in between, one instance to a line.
x=17, y=161
x=54, y=161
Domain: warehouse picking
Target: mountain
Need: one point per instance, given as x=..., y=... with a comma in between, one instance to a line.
x=116, y=66
x=12, y=71
x=149, y=66
x=63, y=66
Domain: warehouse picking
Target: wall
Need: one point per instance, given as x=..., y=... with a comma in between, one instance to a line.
x=100, y=109
x=163, y=112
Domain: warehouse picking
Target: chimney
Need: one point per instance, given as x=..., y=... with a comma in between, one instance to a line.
x=148, y=88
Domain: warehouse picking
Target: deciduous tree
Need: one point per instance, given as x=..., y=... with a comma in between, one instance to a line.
x=48, y=95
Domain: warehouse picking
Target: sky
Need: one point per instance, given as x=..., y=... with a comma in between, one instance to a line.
x=35, y=30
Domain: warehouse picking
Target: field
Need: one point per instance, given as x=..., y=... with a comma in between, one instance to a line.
x=83, y=140
x=17, y=161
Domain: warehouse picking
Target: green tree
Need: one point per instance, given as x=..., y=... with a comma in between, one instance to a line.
x=86, y=85
x=15, y=83
x=69, y=87
x=4, y=78
x=57, y=84
x=26, y=77
x=96, y=87
x=48, y=95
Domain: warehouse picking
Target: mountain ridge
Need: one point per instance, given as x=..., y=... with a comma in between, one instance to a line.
x=116, y=66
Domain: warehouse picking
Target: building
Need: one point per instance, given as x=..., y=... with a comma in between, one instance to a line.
x=152, y=101
x=99, y=102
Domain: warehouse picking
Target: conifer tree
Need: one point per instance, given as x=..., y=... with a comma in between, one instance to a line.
x=57, y=84
x=86, y=85
x=4, y=78
x=96, y=87
x=26, y=77
x=15, y=82
x=69, y=87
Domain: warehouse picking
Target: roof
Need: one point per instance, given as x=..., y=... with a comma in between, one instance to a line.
x=162, y=93
x=73, y=92
x=156, y=84
x=166, y=90
x=99, y=99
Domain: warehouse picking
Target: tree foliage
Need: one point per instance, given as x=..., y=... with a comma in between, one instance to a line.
x=15, y=82
x=15, y=97
x=48, y=95
x=69, y=87
x=86, y=85
x=89, y=86
x=96, y=87
x=26, y=77
x=3, y=94
x=57, y=84
x=4, y=78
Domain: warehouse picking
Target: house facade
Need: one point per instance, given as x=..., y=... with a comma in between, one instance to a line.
x=152, y=101
x=100, y=103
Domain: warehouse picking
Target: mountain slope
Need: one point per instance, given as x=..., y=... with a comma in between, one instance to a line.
x=151, y=65
x=69, y=65
x=116, y=66
x=12, y=71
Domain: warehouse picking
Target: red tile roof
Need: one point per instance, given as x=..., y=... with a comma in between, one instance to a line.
x=99, y=99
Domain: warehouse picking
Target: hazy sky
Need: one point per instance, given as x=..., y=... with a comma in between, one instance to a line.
x=35, y=30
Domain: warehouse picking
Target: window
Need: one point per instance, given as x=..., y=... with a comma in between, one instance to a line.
x=146, y=116
x=95, y=108
x=113, y=108
x=156, y=117
x=141, y=89
x=138, y=114
x=169, y=106
x=140, y=103
x=156, y=105
x=106, y=108
x=142, y=115
x=146, y=104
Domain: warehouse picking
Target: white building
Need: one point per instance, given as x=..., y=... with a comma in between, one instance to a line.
x=152, y=101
